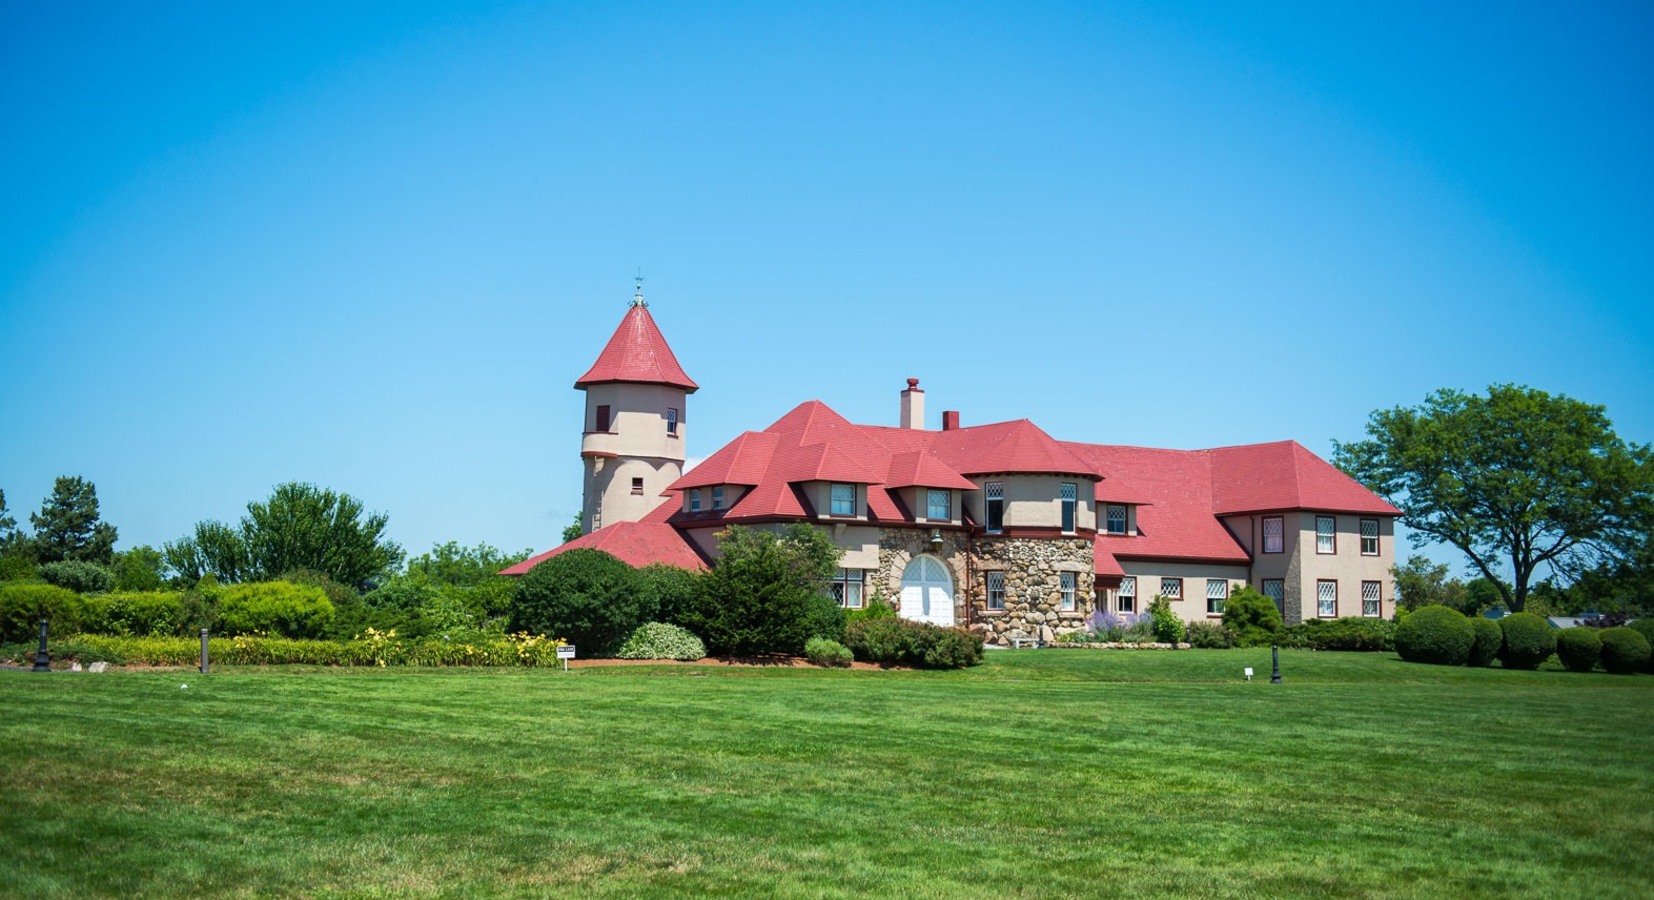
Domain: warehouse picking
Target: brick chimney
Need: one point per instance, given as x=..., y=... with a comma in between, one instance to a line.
x=913, y=405
x=950, y=420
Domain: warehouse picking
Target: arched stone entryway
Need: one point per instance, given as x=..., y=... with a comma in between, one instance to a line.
x=927, y=591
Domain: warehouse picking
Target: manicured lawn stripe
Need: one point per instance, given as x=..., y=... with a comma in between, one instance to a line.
x=1048, y=773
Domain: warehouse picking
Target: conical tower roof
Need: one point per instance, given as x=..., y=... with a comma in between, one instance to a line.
x=637, y=353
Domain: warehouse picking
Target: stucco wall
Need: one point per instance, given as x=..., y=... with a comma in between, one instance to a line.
x=1035, y=501
x=1192, y=608
x=637, y=420
x=1347, y=566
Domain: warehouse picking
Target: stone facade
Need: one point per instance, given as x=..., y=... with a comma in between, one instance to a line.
x=898, y=547
x=1033, y=587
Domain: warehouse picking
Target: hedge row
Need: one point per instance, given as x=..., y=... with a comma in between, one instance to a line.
x=905, y=642
x=1445, y=637
x=373, y=649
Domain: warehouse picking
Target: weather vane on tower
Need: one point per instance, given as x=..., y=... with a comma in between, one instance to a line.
x=637, y=290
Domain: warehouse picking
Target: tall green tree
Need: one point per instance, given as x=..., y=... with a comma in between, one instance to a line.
x=767, y=593
x=143, y=568
x=8, y=525
x=68, y=528
x=1518, y=479
x=300, y=526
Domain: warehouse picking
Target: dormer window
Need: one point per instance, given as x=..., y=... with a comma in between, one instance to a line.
x=695, y=500
x=938, y=505
x=718, y=497
x=843, y=501
x=1116, y=518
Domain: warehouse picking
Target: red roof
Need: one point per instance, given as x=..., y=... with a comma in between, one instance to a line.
x=1284, y=475
x=637, y=544
x=1179, y=523
x=637, y=353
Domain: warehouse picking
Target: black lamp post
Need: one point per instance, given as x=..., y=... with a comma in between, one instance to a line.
x=42, y=659
x=1275, y=656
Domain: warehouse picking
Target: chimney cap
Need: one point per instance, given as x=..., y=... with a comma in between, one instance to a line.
x=912, y=383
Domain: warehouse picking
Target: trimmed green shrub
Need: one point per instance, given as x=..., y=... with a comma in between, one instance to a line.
x=828, y=654
x=1578, y=648
x=1210, y=636
x=1624, y=650
x=1252, y=618
x=874, y=609
x=373, y=649
x=1645, y=627
x=768, y=592
x=79, y=576
x=659, y=640
x=1488, y=638
x=1168, y=625
x=1528, y=641
x=1348, y=633
x=22, y=606
x=1436, y=635
x=274, y=608
x=136, y=612
x=905, y=642
x=669, y=589
x=586, y=597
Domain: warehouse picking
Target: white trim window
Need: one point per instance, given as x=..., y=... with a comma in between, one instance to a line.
x=1275, y=589
x=1116, y=518
x=1326, y=599
x=1217, y=591
x=1070, y=504
x=938, y=505
x=718, y=497
x=695, y=500
x=996, y=590
x=847, y=587
x=1372, y=595
x=1326, y=534
x=1126, y=596
x=843, y=500
x=1171, y=588
x=671, y=421
x=1070, y=584
x=993, y=513
x=1369, y=537
x=1274, y=532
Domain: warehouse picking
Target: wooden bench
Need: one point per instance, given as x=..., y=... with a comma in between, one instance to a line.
x=1020, y=642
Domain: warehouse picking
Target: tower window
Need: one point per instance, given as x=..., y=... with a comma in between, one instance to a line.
x=637, y=486
x=994, y=502
x=602, y=423
x=1069, y=500
x=671, y=421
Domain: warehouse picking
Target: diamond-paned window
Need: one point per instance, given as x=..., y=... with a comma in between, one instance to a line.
x=1326, y=599
x=994, y=492
x=1369, y=537
x=938, y=505
x=1070, y=501
x=847, y=587
x=1371, y=593
x=1274, y=527
x=844, y=500
x=1326, y=534
x=1127, y=594
x=1275, y=589
x=1116, y=519
x=996, y=590
x=1171, y=588
x=1069, y=584
x=1217, y=591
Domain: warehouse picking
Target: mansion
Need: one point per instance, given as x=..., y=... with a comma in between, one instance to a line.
x=999, y=528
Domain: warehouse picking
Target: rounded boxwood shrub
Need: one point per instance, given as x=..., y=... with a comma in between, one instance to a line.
x=1578, y=648
x=1488, y=639
x=136, y=613
x=828, y=654
x=1624, y=650
x=1252, y=618
x=1645, y=627
x=274, y=608
x=1529, y=641
x=587, y=597
x=1436, y=635
x=79, y=576
x=658, y=640
x=22, y=606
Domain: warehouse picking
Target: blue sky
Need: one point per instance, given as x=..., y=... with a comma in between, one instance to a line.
x=372, y=246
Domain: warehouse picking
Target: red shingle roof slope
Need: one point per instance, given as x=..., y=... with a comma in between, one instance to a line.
x=1285, y=475
x=1016, y=446
x=637, y=352
x=641, y=543
x=1179, y=524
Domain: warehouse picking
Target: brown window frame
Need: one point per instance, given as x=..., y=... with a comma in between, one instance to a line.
x=1334, y=535
x=1165, y=581
x=1380, y=592
x=1264, y=539
x=1318, y=583
x=1375, y=537
x=637, y=486
x=603, y=418
x=1280, y=602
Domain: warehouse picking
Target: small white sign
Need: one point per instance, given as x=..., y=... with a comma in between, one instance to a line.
x=565, y=652
x=1248, y=673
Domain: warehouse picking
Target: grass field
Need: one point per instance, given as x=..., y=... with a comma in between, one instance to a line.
x=1041, y=773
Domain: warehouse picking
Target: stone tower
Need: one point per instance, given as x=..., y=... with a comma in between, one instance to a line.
x=633, y=441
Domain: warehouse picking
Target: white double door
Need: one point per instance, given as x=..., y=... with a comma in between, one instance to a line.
x=927, y=591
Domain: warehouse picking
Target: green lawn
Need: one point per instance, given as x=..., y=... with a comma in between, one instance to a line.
x=1051, y=772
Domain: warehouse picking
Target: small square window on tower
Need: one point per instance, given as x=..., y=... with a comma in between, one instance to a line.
x=637, y=486
x=671, y=421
